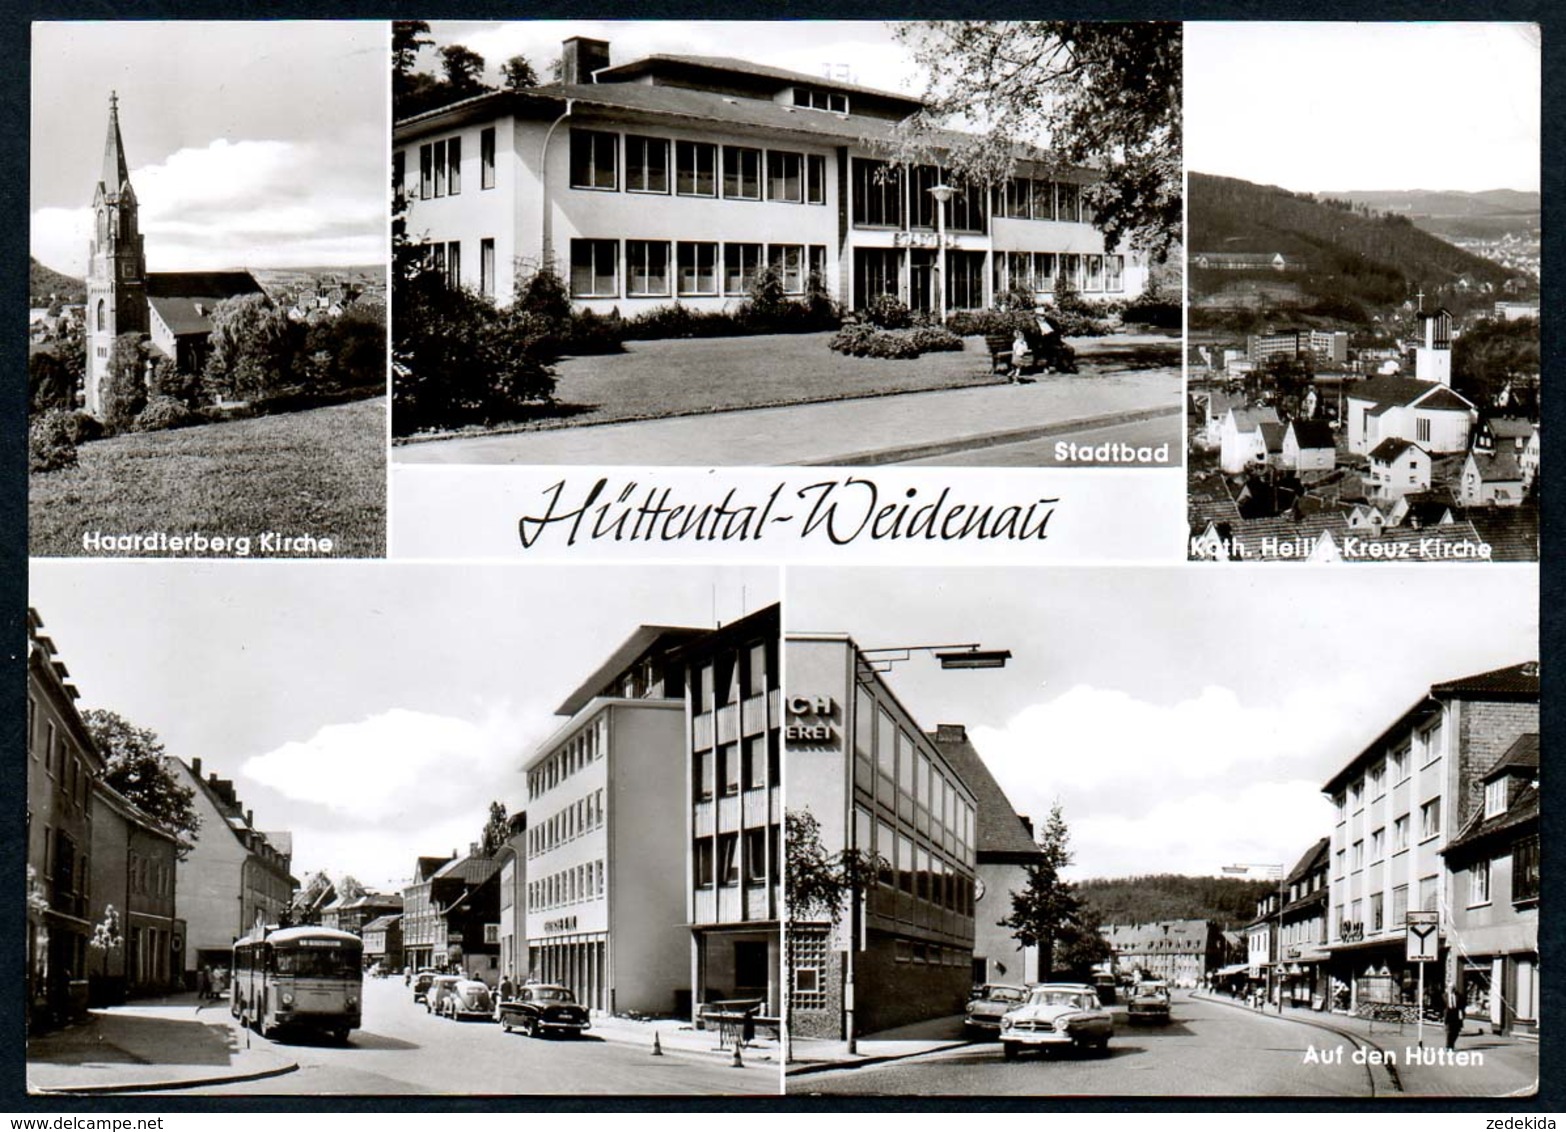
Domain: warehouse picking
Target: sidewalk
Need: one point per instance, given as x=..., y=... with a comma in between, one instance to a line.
x=157, y=1043
x=871, y=430
x=1507, y=1066
x=817, y=1055
x=679, y=1036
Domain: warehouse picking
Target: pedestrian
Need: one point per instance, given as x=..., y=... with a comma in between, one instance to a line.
x=1453, y=1014
x=204, y=983
x=507, y=987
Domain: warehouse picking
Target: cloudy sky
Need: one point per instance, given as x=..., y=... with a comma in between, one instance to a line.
x=1185, y=718
x=372, y=709
x=858, y=51
x=1321, y=107
x=249, y=144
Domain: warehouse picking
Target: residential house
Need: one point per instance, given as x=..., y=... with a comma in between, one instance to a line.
x=1493, y=865
x=1303, y=920
x=383, y=942
x=1240, y=438
x=513, y=898
x=420, y=923
x=1308, y=446
x=134, y=868
x=464, y=897
x=1490, y=480
x=677, y=177
x=1397, y=467
x=1180, y=952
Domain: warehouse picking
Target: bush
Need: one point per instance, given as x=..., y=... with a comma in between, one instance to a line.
x=889, y=313
x=122, y=392
x=861, y=340
x=84, y=427
x=50, y=383
x=1164, y=316
x=49, y=443
x=589, y=332
x=164, y=413
x=934, y=339
x=967, y=324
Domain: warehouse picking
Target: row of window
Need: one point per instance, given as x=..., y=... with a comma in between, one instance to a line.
x=729, y=768
x=728, y=857
x=742, y=674
x=58, y=759
x=1393, y=770
x=582, y=816
x=932, y=954
x=693, y=268
x=905, y=865
x=155, y=878
x=1038, y=271
x=891, y=768
x=568, y=886
x=586, y=746
x=695, y=169
x=440, y=166
x=1429, y=826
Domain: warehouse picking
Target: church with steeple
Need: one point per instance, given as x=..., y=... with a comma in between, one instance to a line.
x=173, y=309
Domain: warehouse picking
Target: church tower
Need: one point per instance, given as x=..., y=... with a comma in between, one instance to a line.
x=116, y=265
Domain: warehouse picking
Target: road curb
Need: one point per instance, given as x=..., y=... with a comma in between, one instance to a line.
x=1342, y=1032
x=875, y=1059
x=877, y=456
x=676, y=1050
x=158, y=1086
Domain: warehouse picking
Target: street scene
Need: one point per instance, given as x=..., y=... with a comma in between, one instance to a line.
x=1363, y=355
x=280, y=912
x=737, y=243
x=1143, y=858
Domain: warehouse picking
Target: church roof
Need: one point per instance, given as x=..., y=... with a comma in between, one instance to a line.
x=184, y=299
x=115, y=171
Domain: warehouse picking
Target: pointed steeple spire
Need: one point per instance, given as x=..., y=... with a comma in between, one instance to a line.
x=115, y=172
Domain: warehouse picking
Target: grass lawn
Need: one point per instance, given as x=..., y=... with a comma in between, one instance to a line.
x=685, y=376
x=317, y=472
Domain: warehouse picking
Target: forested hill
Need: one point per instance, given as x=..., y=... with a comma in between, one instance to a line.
x=45, y=281
x=1228, y=901
x=1376, y=255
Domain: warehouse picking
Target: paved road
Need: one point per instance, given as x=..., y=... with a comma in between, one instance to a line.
x=1046, y=452
x=1208, y=1049
x=401, y=1049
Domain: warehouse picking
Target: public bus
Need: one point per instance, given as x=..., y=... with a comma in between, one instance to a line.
x=303, y=977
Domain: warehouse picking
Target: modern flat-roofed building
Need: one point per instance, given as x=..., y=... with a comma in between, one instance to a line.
x=1399, y=803
x=733, y=687
x=608, y=815
x=862, y=766
x=677, y=177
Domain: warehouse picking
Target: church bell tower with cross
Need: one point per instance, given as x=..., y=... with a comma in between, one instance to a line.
x=116, y=263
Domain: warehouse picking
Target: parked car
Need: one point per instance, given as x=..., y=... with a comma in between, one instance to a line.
x=464, y=998
x=542, y=1008
x=421, y=984
x=1057, y=1014
x=1149, y=1002
x=442, y=986
x=1104, y=984
x=988, y=1004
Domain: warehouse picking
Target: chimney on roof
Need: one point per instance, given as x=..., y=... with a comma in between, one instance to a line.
x=580, y=57
x=473, y=848
x=950, y=733
x=195, y=766
x=1027, y=824
x=249, y=818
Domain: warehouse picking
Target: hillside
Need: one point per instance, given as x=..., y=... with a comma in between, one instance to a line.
x=1374, y=260
x=1426, y=202
x=45, y=281
x=1228, y=901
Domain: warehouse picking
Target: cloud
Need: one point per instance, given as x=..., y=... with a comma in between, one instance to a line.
x=252, y=203
x=1187, y=786
x=410, y=768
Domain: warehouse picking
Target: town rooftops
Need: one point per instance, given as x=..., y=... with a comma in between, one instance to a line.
x=1496, y=467
x=1511, y=428
x=1514, y=682
x=1391, y=391
x=1002, y=835
x=381, y=923
x=1172, y=935
x=1521, y=762
x=1312, y=434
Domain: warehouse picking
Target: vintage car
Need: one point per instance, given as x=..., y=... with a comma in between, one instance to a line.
x=463, y=998
x=989, y=1002
x=1054, y=1015
x=421, y=984
x=541, y=1008
x=1148, y=1002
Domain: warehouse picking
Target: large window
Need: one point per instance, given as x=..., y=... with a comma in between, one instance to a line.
x=702, y=862
x=728, y=858
x=921, y=205
x=785, y=176
x=789, y=260
x=1043, y=200
x=878, y=194
x=741, y=173
x=1068, y=202
x=965, y=211
x=1430, y=819
x=646, y=164
x=696, y=169
x=821, y=99
x=740, y=264
x=1429, y=894
x=487, y=267
x=964, y=280
x=487, y=158
x=1479, y=882
x=1114, y=273
x=593, y=160
x=646, y=267
x=1525, y=869
x=697, y=264
x=594, y=268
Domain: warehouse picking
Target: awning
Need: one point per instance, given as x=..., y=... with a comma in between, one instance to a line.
x=1232, y=969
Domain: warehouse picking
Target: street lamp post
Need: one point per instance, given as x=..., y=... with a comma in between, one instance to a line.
x=942, y=194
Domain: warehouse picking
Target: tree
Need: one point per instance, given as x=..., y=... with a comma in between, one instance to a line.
x=464, y=70
x=496, y=831
x=49, y=383
x=253, y=348
x=135, y=769
x=1047, y=910
x=518, y=73
x=817, y=883
x=122, y=392
x=349, y=889
x=349, y=351
x=1100, y=93
x=1282, y=381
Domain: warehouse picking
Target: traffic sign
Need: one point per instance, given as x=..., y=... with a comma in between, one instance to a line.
x=1424, y=937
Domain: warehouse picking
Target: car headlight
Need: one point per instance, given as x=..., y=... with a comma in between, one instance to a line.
x=1006, y=1023
x=288, y=999
x=352, y=1001
x=1062, y=1025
